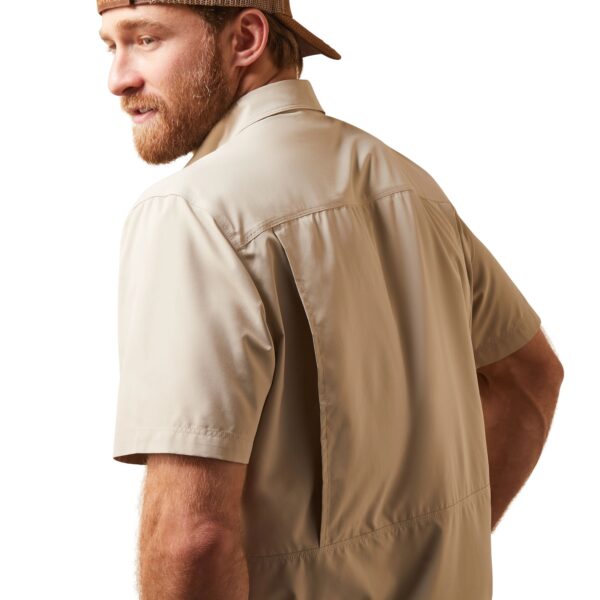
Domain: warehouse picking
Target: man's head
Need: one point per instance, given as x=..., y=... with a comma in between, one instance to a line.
x=186, y=66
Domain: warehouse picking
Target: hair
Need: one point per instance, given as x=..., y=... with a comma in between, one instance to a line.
x=282, y=43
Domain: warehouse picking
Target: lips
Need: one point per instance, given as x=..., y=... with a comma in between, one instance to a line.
x=140, y=115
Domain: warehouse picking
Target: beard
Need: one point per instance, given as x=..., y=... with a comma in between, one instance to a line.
x=199, y=94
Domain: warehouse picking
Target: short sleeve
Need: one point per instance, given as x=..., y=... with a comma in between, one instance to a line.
x=502, y=319
x=196, y=357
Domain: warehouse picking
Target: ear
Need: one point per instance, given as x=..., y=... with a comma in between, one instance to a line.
x=246, y=37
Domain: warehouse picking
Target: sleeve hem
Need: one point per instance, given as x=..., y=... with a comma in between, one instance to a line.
x=136, y=444
x=499, y=348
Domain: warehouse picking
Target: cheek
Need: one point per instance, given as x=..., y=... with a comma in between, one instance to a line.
x=162, y=69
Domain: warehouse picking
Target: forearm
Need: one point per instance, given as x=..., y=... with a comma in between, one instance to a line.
x=217, y=571
x=517, y=421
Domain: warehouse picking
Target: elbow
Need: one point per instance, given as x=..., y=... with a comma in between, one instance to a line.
x=208, y=543
x=554, y=378
x=561, y=371
x=556, y=375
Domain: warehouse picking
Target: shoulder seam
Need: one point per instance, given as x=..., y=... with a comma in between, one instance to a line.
x=225, y=232
x=144, y=198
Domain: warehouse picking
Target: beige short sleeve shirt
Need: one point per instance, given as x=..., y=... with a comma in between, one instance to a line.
x=305, y=299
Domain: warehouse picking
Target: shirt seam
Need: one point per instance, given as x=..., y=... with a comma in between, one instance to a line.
x=225, y=232
x=323, y=403
x=467, y=262
x=227, y=235
x=281, y=109
x=274, y=222
x=210, y=432
x=493, y=341
x=518, y=325
x=271, y=223
x=397, y=524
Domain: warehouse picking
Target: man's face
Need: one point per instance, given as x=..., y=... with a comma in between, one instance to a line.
x=166, y=60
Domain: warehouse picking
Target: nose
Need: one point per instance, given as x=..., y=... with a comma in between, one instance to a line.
x=123, y=77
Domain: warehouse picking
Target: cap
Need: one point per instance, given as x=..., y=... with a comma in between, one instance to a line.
x=308, y=42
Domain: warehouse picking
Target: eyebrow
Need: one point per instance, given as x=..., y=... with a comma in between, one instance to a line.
x=131, y=24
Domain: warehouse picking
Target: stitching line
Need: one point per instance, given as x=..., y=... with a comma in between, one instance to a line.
x=397, y=524
x=500, y=339
x=196, y=430
x=322, y=394
x=270, y=223
x=275, y=111
x=468, y=267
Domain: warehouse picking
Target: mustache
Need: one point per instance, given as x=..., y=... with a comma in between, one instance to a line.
x=132, y=102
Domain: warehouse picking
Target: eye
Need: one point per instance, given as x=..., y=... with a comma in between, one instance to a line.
x=146, y=41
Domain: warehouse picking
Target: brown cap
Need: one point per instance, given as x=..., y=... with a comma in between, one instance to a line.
x=308, y=42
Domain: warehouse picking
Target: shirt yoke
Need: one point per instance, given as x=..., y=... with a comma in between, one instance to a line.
x=288, y=165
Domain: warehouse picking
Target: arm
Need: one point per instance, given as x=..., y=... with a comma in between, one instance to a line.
x=519, y=395
x=191, y=538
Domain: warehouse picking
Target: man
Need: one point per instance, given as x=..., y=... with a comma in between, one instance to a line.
x=336, y=388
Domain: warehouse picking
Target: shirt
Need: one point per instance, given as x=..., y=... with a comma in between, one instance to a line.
x=304, y=299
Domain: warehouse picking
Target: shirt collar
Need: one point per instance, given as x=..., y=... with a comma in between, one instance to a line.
x=261, y=102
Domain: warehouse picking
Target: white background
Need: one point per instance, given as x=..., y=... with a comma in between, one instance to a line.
x=497, y=101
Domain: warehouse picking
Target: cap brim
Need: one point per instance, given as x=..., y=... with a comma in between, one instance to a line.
x=308, y=42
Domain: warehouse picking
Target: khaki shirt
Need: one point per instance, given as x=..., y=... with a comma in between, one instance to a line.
x=305, y=299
